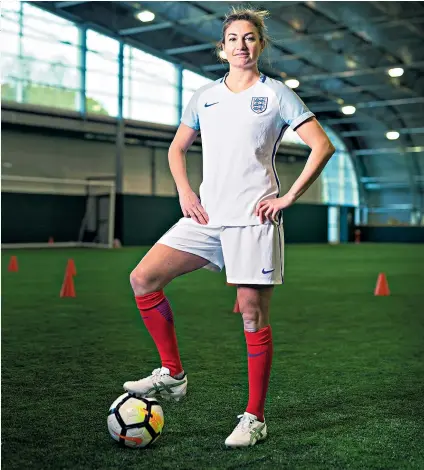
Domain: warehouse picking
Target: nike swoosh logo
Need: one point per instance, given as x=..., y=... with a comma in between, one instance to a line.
x=256, y=355
x=137, y=440
x=267, y=272
x=210, y=104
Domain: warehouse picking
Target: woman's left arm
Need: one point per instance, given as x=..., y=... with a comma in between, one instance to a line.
x=322, y=149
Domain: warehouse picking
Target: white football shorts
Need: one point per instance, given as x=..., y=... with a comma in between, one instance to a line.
x=252, y=254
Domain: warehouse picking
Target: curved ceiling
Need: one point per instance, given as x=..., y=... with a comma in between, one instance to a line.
x=339, y=51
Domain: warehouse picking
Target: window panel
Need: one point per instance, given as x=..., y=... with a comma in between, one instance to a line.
x=103, y=83
x=150, y=92
x=9, y=22
x=191, y=83
x=51, y=28
x=99, y=103
x=143, y=111
x=96, y=62
x=9, y=44
x=108, y=47
x=339, y=176
x=40, y=67
x=44, y=95
x=102, y=80
x=11, y=5
x=52, y=52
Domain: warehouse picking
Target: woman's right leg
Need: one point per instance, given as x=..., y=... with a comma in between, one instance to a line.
x=160, y=265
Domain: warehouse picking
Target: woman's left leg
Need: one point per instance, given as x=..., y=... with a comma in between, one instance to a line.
x=254, y=301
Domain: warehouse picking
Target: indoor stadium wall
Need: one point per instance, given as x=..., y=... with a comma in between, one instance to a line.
x=149, y=203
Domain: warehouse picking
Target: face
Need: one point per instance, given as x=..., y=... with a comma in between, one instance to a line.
x=242, y=44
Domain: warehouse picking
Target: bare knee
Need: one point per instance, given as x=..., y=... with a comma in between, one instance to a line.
x=144, y=282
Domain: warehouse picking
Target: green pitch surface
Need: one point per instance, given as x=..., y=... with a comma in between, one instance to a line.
x=347, y=384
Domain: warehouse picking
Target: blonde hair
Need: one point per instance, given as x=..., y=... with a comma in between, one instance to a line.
x=256, y=17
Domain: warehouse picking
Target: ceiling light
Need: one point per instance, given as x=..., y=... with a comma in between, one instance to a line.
x=351, y=63
x=145, y=16
x=223, y=55
x=348, y=109
x=396, y=72
x=292, y=83
x=392, y=135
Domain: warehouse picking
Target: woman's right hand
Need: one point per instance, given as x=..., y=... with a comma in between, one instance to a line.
x=191, y=207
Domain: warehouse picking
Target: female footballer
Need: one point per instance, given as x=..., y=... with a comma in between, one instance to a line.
x=237, y=222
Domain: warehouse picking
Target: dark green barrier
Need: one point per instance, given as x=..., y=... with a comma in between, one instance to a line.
x=143, y=219
x=140, y=220
x=391, y=234
x=33, y=218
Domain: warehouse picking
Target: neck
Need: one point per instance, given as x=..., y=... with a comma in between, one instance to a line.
x=242, y=77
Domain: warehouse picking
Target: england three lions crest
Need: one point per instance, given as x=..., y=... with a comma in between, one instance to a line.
x=259, y=104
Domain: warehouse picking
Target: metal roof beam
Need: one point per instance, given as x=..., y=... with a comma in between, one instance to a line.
x=167, y=24
x=67, y=4
x=146, y=29
x=323, y=107
x=355, y=73
x=347, y=90
x=393, y=150
x=404, y=130
x=194, y=48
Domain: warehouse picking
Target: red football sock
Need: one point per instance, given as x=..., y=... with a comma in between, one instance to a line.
x=259, y=354
x=157, y=316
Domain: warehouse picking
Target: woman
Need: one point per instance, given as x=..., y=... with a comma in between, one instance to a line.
x=242, y=118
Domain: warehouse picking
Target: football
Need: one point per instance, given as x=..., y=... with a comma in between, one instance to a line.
x=135, y=422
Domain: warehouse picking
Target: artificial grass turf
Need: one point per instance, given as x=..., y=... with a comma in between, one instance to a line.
x=347, y=382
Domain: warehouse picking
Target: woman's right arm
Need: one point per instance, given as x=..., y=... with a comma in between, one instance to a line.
x=190, y=204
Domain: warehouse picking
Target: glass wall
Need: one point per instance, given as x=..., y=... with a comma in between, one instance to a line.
x=40, y=56
x=340, y=185
x=150, y=88
x=46, y=60
x=191, y=83
x=102, y=74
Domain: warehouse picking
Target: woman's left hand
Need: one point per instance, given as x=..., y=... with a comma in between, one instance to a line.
x=269, y=209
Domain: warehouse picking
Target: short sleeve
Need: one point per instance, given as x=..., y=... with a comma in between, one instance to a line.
x=292, y=109
x=190, y=116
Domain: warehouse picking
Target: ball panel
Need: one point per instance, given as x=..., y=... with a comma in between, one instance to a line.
x=140, y=436
x=114, y=427
x=157, y=419
x=134, y=411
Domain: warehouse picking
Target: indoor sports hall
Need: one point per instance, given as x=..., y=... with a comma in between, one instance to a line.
x=92, y=95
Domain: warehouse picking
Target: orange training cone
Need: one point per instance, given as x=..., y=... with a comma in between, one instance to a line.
x=382, y=286
x=71, y=267
x=13, y=264
x=236, y=308
x=68, y=287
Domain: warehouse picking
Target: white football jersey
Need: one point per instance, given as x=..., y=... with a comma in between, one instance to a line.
x=240, y=134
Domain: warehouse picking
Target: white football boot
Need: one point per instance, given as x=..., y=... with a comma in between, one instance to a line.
x=159, y=383
x=247, y=432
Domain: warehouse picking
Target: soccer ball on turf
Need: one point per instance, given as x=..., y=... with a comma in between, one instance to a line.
x=135, y=422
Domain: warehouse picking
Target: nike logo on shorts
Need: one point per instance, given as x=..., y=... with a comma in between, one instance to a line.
x=267, y=272
x=210, y=104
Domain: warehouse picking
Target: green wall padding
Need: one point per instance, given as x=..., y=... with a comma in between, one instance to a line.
x=33, y=218
x=147, y=218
